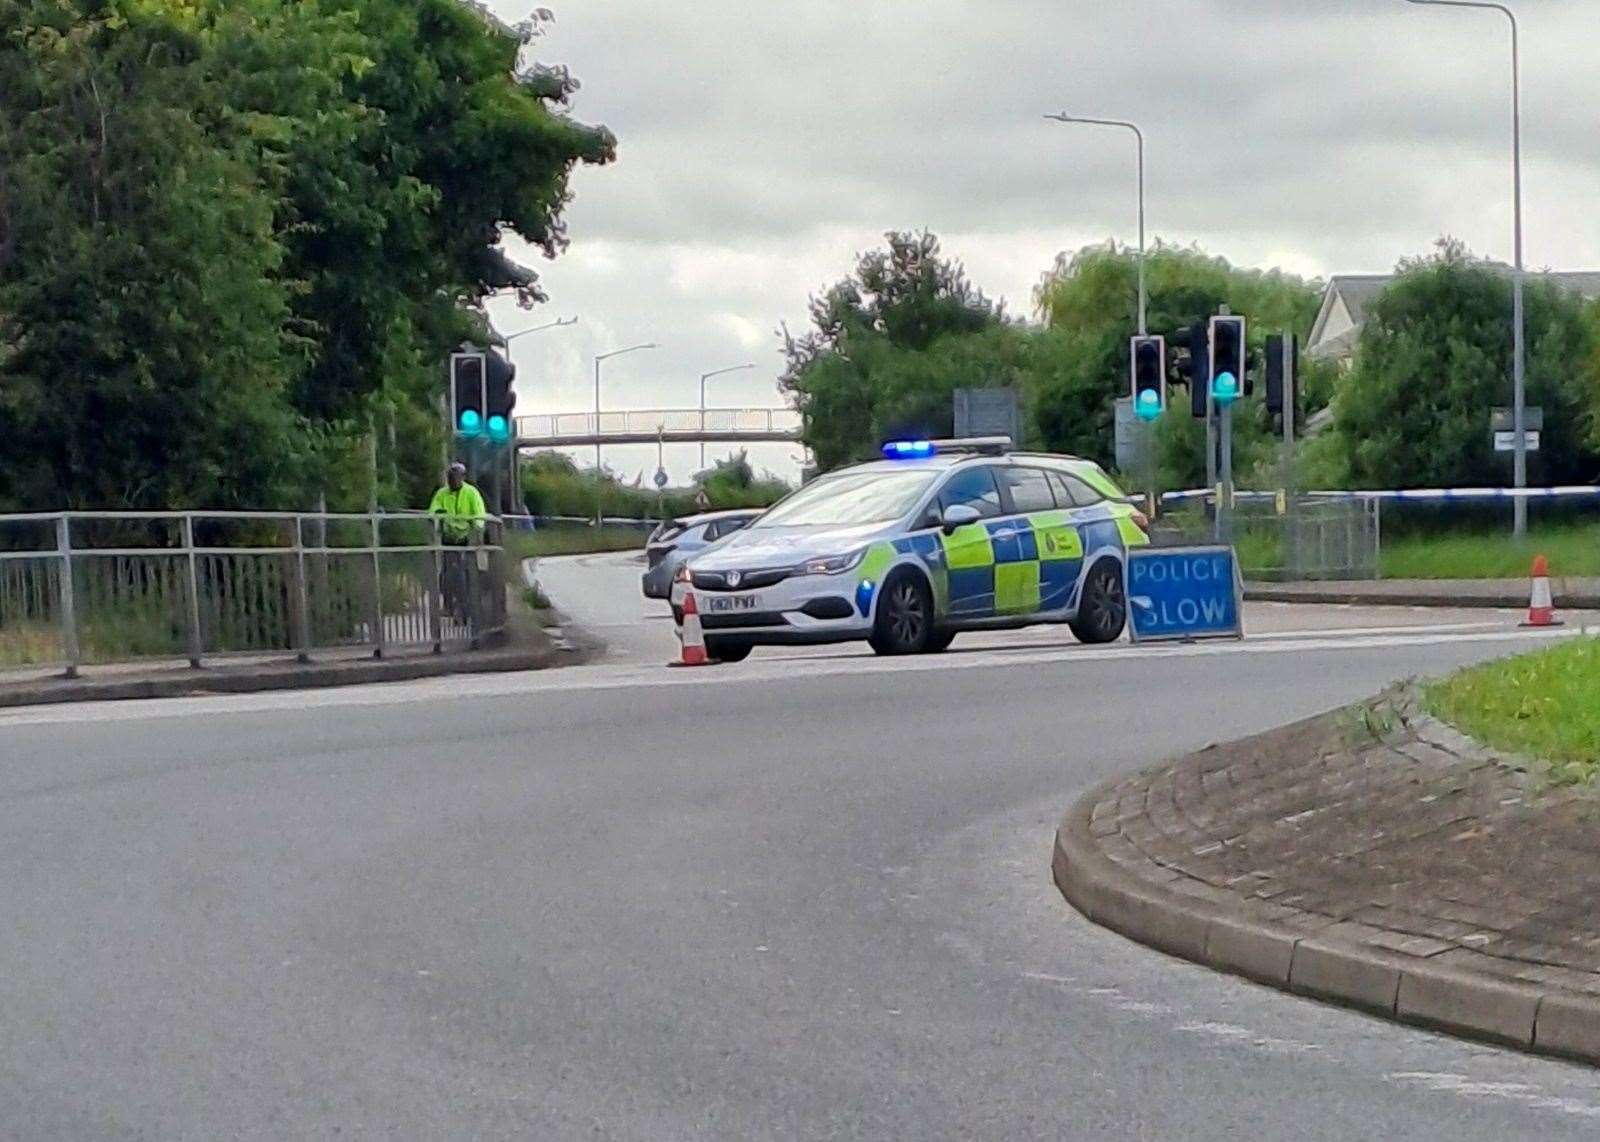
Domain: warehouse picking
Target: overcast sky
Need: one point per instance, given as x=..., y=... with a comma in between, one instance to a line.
x=763, y=144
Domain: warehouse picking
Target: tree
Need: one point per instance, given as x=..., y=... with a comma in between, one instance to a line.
x=144, y=331
x=237, y=234
x=888, y=345
x=1435, y=357
x=1089, y=301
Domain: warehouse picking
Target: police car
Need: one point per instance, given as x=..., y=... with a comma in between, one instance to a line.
x=937, y=537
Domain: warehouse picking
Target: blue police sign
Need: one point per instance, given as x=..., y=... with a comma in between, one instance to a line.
x=1184, y=593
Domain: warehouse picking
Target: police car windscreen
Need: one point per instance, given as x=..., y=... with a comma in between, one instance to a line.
x=851, y=498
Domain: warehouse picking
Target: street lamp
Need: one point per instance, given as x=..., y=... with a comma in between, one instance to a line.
x=506, y=340
x=605, y=357
x=558, y=323
x=704, y=377
x=1519, y=335
x=1139, y=135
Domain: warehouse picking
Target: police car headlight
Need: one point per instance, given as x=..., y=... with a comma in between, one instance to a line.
x=832, y=564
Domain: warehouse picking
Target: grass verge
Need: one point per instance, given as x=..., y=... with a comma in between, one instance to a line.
x=576, y=540
x=1573, y=550
x=1545, y=704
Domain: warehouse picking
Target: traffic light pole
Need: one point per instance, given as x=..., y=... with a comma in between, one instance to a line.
x=1224, y=521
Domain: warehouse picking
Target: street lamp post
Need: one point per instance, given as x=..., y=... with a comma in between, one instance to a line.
x=704, y=377
x=516, y=452
x=558, y=323
x=1139, y=135
x=599, y=358
x=1519, y=333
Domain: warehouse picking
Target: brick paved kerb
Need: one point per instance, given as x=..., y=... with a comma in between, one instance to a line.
x=1372, y=857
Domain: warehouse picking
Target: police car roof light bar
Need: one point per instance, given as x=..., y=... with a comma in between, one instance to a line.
x=982, y=445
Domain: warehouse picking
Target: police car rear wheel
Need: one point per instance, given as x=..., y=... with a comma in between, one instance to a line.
x=904, y=623
x=1104, y=610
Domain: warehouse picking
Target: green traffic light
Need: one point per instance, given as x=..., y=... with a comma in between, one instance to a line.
x=471, y=423
x=1225, y=389
x=1148, y=406
x=499, y=429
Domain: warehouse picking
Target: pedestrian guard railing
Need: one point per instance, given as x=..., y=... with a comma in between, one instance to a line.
x=82, y=588
x=646, y=424
x=1338, y=534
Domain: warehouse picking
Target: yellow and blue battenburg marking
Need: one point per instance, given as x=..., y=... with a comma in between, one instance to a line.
x=1016, y=566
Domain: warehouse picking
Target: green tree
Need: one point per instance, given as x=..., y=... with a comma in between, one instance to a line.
x=888, y=345
x=1090, y=304
x=144, y=328
x=1435, y=357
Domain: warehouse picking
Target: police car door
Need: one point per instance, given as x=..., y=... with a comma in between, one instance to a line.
x=1019, y=558
x=1092, y=515
x=969, y=552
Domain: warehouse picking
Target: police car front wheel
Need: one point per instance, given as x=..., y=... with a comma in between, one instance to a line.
x=904, y=622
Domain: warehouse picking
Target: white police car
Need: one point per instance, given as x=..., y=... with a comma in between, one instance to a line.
x=936, y=538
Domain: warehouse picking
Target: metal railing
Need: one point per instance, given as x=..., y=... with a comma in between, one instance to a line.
x=1309, y=539
x=648, y=424
x=82, y=588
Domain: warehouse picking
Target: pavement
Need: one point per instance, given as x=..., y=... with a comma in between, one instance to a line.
x=802, y=897
x=1572, y=593
x=1372, y=856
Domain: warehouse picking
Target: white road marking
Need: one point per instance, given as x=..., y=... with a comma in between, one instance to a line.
x=1523, y=1094
x=758, y=671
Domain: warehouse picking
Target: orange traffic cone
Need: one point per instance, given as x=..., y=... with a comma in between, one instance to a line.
x=1541, y=608
x=694, y=642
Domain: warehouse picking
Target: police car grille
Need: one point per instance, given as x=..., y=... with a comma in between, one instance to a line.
x=748, y=580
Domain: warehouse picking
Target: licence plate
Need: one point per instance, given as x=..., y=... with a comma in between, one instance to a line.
x=724, y=604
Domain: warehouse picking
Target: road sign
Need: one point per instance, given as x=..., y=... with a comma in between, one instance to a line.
x=1504, y=419
x=1506, y=441
x=988, y=412
x=661, y=477
x=1184, y=593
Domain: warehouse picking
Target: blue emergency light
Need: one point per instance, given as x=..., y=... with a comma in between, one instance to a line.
x=908, y=450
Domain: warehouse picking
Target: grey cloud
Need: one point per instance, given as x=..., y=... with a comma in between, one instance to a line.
x=785, y=136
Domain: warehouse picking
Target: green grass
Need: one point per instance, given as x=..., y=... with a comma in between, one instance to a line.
x=575, y=540
x=1545, y=704
x=1573, y=549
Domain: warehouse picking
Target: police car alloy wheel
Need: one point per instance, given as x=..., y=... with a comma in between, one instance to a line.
x=904, y=622
x=1104, y=610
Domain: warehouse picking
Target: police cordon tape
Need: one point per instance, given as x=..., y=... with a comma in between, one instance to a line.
x=1578, y=491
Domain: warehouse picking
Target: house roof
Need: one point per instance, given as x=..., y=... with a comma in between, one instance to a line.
x=1357, y=292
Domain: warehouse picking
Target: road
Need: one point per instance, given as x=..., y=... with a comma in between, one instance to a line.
x=805, y=897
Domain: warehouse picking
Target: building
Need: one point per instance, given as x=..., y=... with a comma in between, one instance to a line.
x=1347, y=296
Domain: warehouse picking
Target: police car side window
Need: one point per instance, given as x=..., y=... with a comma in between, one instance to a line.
x=974, y=487
x=1030, y=490
x=1073, y=492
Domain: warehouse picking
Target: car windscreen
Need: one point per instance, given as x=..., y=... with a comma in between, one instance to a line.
x=851, y=498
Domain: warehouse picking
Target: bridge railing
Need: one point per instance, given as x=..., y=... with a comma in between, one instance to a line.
x=81, y=588
x=646, y=423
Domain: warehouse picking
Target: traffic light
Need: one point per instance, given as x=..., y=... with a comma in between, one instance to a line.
x=1283, y=370
x=1197, y=369
x=1228, y=350
x=1148, y=368
x=500, y=400
x=468, y=392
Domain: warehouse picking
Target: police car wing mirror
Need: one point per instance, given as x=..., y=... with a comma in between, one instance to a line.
x=958, y=516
